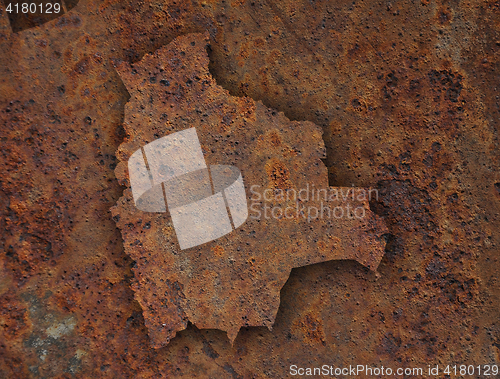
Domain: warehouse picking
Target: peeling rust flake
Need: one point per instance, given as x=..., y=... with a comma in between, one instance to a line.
x=233, y=281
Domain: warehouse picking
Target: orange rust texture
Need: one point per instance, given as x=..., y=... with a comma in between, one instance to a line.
x=172, y=89
x=406, y=95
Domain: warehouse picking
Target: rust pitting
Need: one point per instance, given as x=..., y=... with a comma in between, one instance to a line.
x=243, y=289
x=411, y=312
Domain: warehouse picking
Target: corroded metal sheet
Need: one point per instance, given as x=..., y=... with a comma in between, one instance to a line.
x=233, y=281
x=406, y=95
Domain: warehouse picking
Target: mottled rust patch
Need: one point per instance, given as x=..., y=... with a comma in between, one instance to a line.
x=278, y=175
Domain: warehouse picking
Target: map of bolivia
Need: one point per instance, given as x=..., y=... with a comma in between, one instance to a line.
x=233, y=281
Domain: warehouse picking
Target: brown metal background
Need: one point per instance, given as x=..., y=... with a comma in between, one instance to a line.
x=235, y=280
x=407, y=95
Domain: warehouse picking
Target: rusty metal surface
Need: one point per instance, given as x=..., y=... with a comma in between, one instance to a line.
x=235, y=280
x=406, y=94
